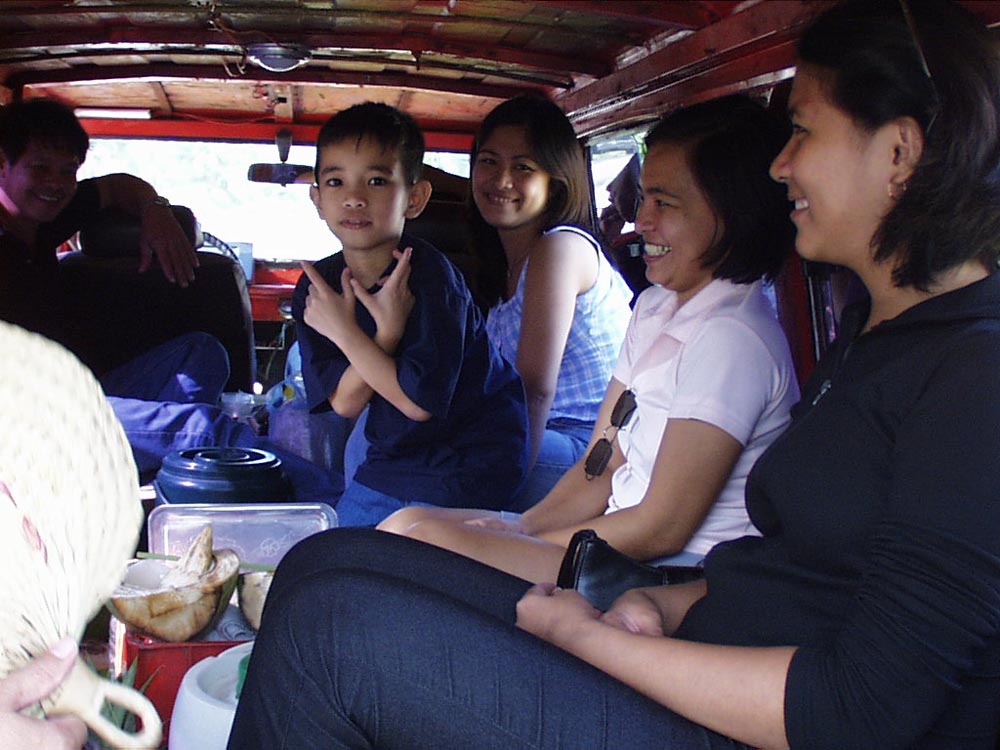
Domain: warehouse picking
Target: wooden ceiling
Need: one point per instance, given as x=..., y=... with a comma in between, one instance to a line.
x=447, y=62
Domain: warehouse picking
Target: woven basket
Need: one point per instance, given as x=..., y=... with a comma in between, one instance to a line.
x=70, y=516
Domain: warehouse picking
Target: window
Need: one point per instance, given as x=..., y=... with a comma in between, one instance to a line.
x=210, y=178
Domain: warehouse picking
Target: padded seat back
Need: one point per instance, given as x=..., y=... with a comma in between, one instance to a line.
x=115, y=313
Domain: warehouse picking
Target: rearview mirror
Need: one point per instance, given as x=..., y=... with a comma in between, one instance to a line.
x=280, y=174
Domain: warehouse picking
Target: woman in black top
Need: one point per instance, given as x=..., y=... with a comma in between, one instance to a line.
x=868, y=614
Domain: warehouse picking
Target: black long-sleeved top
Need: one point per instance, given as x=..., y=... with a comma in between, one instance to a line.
x=880, y=555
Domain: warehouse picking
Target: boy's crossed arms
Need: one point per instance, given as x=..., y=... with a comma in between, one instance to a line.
x=372, y=364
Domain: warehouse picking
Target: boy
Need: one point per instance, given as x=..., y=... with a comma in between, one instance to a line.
x=389, y=325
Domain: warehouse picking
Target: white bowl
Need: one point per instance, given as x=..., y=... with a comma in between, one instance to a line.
x=206, y=702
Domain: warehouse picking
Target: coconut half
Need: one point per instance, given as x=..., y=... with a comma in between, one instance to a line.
x=252, y=592
x=175, y=602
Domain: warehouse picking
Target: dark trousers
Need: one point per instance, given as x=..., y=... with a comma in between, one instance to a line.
x=372, y=640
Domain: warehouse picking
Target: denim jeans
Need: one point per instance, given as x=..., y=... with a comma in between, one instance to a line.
x=374, y=640
x=166, y=401
x=362, y=506
x=192, y=368
x=562, y=446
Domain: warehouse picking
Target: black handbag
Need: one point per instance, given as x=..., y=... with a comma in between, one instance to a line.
x=601, y=573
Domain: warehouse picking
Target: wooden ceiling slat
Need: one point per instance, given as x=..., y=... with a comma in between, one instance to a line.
x=766, y=24
x=606, y=62
x=201, y=38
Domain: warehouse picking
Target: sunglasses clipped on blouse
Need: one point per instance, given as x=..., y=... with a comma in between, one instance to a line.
x=600, y=454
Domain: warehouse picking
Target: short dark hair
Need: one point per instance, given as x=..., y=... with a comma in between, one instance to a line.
x=391, y=128
x=730, y=143
x=556, y=149
x=44, y=121
x=873, y=69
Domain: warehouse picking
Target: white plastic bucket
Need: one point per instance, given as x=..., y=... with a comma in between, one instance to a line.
x=206, y=702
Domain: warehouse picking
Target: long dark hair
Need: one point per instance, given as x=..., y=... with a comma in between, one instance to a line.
x=554, y=146
x=875, y=65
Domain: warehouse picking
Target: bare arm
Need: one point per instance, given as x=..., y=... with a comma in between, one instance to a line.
x=575, y=500
x=736, y=691
x=161, y=235
x=561, y=266
x=692, y=465
x=676, y=502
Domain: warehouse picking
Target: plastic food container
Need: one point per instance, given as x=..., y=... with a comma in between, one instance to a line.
x=259, y=533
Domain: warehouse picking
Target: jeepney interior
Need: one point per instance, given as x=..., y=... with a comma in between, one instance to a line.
x=214, y=74
x=211, y=75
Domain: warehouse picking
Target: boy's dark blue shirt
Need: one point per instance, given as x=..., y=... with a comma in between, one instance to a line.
x=473, y=449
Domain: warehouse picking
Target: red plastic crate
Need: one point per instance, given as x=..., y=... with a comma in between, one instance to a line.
x=164, y=666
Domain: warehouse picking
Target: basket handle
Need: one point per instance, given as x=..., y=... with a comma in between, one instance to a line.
x=84, y=693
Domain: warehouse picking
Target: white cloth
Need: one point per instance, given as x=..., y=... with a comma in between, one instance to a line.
x=723, y=359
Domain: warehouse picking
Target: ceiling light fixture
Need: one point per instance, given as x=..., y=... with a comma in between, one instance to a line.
x=112, y=113
x=279, y=58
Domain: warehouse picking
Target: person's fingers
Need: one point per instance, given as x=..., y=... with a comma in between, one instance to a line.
x=404, y=275
x=39, y=677
x=545, y=588
x=146, y=257
x=52, y=733
x=70, y=728
x=172, y=267
x=401, y=271
x=350, y=285
x=314, y=276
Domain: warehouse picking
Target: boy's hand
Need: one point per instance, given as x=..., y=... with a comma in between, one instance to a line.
x=327, y=312
x=391, y=305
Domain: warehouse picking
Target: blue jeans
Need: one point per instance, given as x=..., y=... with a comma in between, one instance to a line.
x=192, y=368
x=374, y=640
x=363, y=506
x=562, y=446
x=165, y=400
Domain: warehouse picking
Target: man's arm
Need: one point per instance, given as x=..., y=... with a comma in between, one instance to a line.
x=161, y=235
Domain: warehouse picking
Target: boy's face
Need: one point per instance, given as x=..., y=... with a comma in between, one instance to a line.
x=362, y=195
x=40, y=184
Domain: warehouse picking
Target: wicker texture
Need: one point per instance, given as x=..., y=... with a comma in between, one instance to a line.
x=70, y=516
